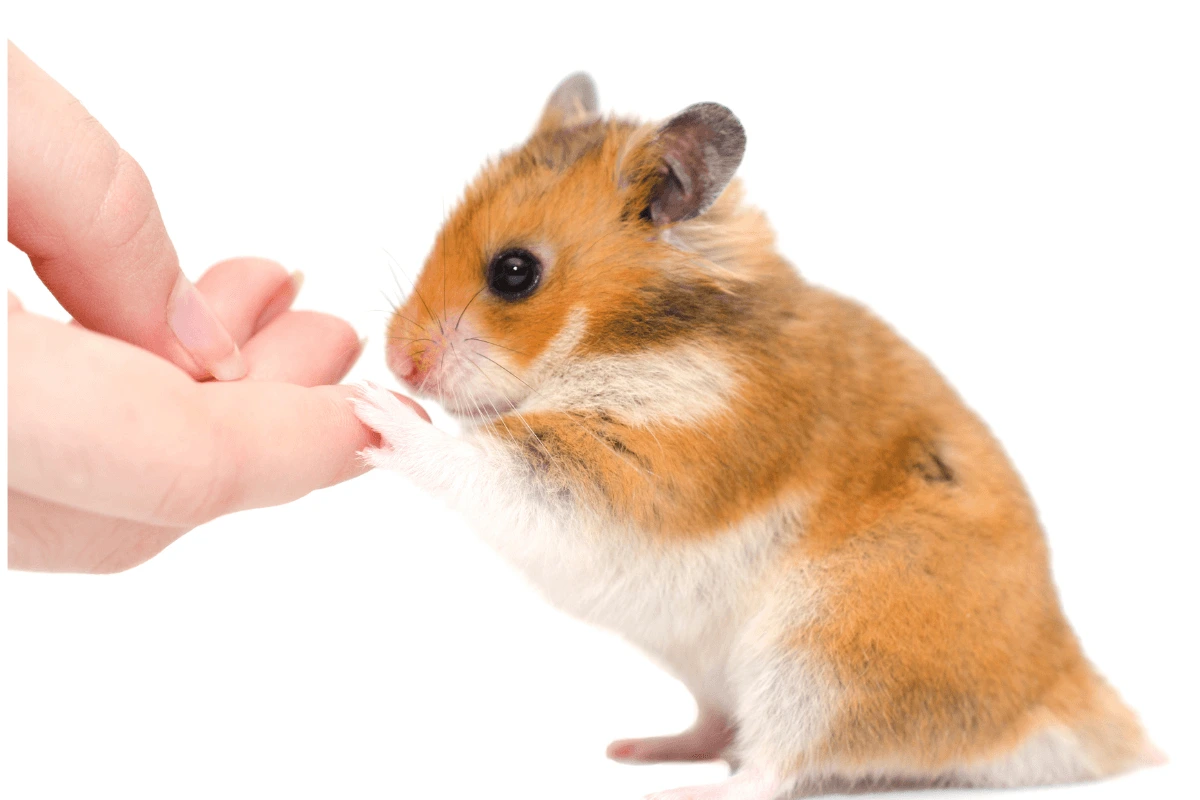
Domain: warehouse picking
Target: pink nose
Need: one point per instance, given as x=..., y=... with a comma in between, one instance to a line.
x=403, y=367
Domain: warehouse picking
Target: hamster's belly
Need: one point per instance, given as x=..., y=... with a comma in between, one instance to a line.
x=682, y=601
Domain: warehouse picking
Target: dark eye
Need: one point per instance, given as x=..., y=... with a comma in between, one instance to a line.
x=514, y=274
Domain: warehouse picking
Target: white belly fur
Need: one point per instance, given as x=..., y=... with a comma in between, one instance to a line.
x=682, y=602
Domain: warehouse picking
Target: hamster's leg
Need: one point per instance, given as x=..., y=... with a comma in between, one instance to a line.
x=783, y=699
x=706, y=740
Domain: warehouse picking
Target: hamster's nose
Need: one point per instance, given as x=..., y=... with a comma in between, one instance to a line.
x=402, y=365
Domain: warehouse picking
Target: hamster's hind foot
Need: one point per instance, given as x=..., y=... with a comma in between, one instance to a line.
x=706, y=740
x=749, y=784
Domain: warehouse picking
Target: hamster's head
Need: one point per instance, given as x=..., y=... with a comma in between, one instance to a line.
x=564, y=246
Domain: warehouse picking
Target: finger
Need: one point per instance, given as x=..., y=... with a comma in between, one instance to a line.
x=105, y=427
x=247, y=293
x=288, y=440
x=13, y=303
x=83, y=210
x=303, y=347
x=291, y=440
x=49, y=537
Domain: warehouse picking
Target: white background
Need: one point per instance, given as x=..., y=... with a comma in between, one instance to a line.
x=1016, y=189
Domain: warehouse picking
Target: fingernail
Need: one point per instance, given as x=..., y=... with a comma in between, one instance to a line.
x=355, y=354
x=281, y=301
x=415, y=406
x=202, y=334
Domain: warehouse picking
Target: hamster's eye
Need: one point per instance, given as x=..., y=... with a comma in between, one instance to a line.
x=514, y=274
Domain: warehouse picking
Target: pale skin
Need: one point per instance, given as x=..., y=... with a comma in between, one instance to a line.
x=162, y=405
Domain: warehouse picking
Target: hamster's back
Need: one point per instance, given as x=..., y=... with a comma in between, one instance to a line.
x=938, y=620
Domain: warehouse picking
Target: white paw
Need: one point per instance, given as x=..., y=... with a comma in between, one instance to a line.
x=401, y=428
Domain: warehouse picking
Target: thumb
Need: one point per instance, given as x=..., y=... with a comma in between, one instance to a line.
x=83, y=210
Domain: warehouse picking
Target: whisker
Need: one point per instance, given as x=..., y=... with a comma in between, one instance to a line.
x=443, y=265
x=500, y=418
x=468, y=305
x=581, y=426
x=420, y=297
x=395, y=311
x=432, y=316
x=392, y=269
x=479, y=411
x=493, y=344
x=545, y=449
x=393, y=265
x=410, y=322
x=509, y=371
x=495, y=411
x=408, y=339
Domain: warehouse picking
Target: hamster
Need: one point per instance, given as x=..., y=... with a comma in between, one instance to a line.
x=754, y=480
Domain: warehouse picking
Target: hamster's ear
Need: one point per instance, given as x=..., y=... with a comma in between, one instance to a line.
x=573, y=102
x=689, y=161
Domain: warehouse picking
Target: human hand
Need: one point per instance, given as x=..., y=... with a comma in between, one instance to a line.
x=115, y=448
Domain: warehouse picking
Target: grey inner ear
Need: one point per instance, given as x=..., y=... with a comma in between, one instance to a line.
x=702, y=147
x=572, y=101
x=577, y=90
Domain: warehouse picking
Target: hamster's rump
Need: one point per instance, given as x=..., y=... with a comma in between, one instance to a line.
x=755, y=480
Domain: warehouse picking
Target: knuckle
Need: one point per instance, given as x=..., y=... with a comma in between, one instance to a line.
x=126, y=207
x=137, y=543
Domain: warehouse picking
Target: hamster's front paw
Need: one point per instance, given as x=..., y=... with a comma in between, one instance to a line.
x=432, y=459
x=400, y=427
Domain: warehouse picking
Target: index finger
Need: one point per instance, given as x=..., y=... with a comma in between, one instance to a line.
x=283, y=441
x=83, y=210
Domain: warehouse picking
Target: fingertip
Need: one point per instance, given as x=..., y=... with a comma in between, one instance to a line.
x=281, y=301
x=415, y=406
